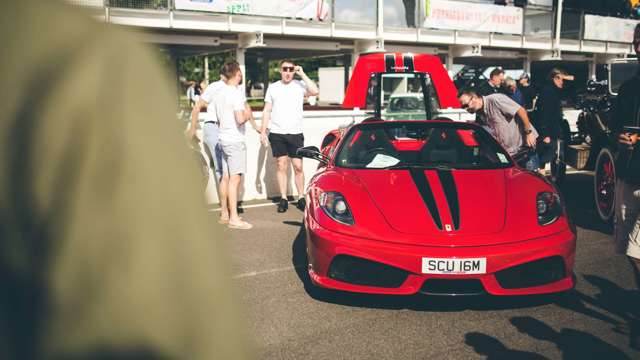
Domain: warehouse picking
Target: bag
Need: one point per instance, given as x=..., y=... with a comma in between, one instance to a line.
x=631, y=169
x=632, y=166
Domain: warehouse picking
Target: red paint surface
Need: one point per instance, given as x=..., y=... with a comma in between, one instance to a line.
x=368, y=64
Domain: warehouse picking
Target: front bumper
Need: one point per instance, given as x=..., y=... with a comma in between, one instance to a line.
x=353, y=264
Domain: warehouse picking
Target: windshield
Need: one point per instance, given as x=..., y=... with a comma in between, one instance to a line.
x=401, y=96
x=440, y=145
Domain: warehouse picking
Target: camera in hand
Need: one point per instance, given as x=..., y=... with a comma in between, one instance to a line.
x=631, y=129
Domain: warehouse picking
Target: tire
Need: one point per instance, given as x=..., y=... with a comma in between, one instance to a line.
x=604, y=184
x=558, y=166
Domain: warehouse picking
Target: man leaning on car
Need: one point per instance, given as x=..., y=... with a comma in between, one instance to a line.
x=497, y=112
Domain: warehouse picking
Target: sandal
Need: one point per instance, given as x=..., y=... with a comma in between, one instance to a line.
x=224, y=221
x=242, y=225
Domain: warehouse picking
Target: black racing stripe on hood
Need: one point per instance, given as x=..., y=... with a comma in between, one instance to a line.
x=451, y=193
x=389, y=62
x=420, y=179
x=407, y=60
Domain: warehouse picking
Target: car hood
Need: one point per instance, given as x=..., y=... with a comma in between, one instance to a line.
x=439, y=202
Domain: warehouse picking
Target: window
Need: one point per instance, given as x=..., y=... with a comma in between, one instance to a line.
x=401, y=96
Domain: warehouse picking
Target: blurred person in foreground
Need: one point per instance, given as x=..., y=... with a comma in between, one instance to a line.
x=105, y=247
x=627, y=202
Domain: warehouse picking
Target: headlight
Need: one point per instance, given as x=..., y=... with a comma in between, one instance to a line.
x=335, y=206
x=549, y=207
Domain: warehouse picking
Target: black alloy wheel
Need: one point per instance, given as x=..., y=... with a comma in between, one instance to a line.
x=604, y=184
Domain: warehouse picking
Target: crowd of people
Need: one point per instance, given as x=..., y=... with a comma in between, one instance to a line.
x=524, y=122
x=281, y=128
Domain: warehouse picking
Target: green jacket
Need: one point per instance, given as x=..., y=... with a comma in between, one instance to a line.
x=106, y=248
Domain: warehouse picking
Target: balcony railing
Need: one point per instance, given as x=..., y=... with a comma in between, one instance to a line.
x=538, y=21
x=139, y=4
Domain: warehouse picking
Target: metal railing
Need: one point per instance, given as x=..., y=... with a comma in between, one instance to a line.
x=538, y=22
x=86, y=3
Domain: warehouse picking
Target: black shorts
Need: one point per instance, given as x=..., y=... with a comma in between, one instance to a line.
x=286, y=144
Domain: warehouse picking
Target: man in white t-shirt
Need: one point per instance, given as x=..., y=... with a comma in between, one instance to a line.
x=282, y=114
x=229, y=103
x=210, y=126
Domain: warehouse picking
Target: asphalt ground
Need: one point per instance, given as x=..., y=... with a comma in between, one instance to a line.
x=288, y=319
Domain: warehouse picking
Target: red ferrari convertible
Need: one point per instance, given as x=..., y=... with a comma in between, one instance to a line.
x=401, y=206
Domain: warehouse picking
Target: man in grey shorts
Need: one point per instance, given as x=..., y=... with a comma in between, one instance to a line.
x=230, y=111
x=211, y=125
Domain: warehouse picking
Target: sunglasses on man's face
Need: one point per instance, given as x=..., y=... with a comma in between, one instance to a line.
x=464, y=106
x=288, y=68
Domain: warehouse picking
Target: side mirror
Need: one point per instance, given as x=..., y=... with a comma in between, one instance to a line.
x=312, y=152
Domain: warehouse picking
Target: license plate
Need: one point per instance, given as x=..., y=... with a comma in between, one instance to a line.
x=454, y=266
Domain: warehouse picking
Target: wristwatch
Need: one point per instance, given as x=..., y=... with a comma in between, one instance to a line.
x=528, y=131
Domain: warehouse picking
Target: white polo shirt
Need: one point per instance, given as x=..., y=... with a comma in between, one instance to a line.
x=286, y=114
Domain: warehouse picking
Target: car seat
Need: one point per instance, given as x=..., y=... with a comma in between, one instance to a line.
x=441, y=148
x=364, y=148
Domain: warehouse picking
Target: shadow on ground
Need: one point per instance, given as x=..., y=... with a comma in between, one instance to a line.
x=493, y=348
x=572, y=343
x=611, y=304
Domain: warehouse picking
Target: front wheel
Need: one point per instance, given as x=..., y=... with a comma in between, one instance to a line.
x=604, y=184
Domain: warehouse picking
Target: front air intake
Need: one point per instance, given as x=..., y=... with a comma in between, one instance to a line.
x=358, y=271
x=452, y=287
x=535, y=273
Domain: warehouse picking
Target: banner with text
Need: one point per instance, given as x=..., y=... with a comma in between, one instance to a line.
x=299, y=9
x=457, y=15
x=605, y=28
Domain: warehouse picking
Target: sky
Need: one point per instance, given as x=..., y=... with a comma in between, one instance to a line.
x=355, y=11
x=364, y=12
